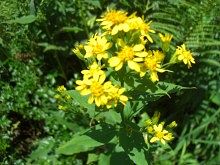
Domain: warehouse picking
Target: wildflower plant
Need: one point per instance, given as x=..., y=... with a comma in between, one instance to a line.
x=124, y=59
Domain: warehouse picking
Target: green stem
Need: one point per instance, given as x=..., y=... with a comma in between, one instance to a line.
x=60, y=66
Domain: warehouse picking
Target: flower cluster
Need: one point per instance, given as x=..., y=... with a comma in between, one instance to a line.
x=125, y=42
x=156, y=130
x=62, y=97
x=101, y=92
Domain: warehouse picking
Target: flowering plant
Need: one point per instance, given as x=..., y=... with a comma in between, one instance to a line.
x=125, y=59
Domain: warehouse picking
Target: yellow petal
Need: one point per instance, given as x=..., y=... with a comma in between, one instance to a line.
x=125, y=27
x=138, y=47
x=97, y=101
x=120, y=65
x=154, y=139
x=134, y=66
x=141, y=54
x=79, y=88
x=162, y=141
x=114, y=61
x=85, y=92
x=91, y=99
x=115, y=30
x=102, y=78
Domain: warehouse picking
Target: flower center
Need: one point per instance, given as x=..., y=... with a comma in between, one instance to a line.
x=97, y=49
x=160, y=135
x=116, y=17
x=97, y=89
x=151, y=64
x=187, y=55
x=126, y=54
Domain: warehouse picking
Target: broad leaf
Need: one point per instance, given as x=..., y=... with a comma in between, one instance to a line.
x=23, y=20
x=79, y=143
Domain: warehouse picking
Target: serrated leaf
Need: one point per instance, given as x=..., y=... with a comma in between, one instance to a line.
x=23, y=20
x=88, y=140
x=78, y=144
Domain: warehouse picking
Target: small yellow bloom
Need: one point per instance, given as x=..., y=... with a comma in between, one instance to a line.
x=100, y=92
x=172, y=125
x=95, y=88
x=114, y=21
x=115, y=95
x=61, y=107
x=152, y=65
x=96, y=47
x=131, y=55
x=94, y=70
x=57, y=96
x=184, y=55
x=138, y=23
x=61, y=88
x=161, y=134
x=146, y=30
x=165, y=38
x=78, y=50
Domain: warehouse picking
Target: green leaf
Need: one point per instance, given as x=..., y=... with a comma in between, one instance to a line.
x=132, y=141
x=138, y=156
x=119, y=157
x=215, y=98
x=92, y=158
x=79, y=143
x=45, y=146
x=74, y=29
x=104, y=159
x=103, y=133
x=48, y=47
x=81, y=100
x=111, y=117
x=86, y=141
x=23, y=20
x=94, y=3
x=211, y=62
x=1, y=41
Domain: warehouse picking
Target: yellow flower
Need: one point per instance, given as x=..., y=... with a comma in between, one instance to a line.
x=161, y=134
x=158, y=55
x=138, y=23
x=114, y=21
x=95, y=88
x=115, y=95
x=128, y=54
x=57, y=96
x=100, y=92
x=61, y=107
x=94, y=70
x=184, y=55
x=78, y=51
x=152, y=65
x=97, y=46
x=172, y=125
x=165, y=38
x=61, y=88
